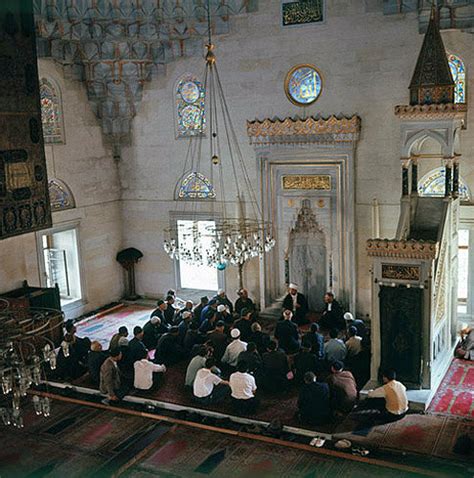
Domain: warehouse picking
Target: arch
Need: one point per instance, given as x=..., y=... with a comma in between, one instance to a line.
x=432, y=184
x=195, y=186
x=51, y=112
x=190, y=106
x=458, y=70
x=60, y=195
x=415, y=141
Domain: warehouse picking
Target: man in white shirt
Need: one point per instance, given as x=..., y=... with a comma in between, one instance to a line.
x=243, y=388
x=147, y=374
x=232, y=352
x=389, y=401
x=208, y=388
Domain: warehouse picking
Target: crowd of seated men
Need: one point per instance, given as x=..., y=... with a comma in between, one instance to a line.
x=230, y=359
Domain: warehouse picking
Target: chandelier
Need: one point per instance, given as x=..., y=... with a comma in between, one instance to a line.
x=237, y=231
x=26, y=354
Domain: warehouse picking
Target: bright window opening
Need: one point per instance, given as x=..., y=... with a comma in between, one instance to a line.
x=61, y=264
x=195, y=276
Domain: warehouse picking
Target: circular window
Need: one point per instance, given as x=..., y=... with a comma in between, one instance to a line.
x=303, y=85
x=190, y=92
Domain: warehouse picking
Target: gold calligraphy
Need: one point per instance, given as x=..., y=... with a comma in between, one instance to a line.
x=307, y=181
x=18, y=176
x=301, y=12
x=400, y=272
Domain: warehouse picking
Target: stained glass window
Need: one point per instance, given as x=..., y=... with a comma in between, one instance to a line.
x=190, y=106
x=60, y=196
x=459, y=76
x=196, y=186
x=433, y=184
x=303, y=85
x=51, y=112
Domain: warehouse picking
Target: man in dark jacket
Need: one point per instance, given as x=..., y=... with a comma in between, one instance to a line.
x=198, y=309
x=244, y=324
x=313, y=401
x=219, y=340
x=152, y=331
x=297, y=303
x=305, y=361
x=95, y=359
x=275, y=369
x=333, y=315
x=243, y=302
x=136, y=345
x=168, y=351
x=252, y=358
x=259, y=338
x=286, y=332
x=316, y=341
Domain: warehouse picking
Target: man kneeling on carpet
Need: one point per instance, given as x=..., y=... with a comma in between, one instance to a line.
x=208, y=388
x=110, y=382
x=147, y=374
x=389, y=401
x=243, y=388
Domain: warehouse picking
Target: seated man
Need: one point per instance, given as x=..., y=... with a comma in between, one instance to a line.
x=275, y=369
x=296, y=302
x=316, y=340
x=259, y=338
x=192, y=338
x=286, y=332
x=218, y=339
x=390, y=400
x=110, y=383
x=465, y=350
x=222, y=298
x=122, y=332
x=71, y=362
x=159, y=312
x=232, y=352
x=243, y=302
x=197, y=362
x=209, y=324
x=82, y=345
x=183, y=325
x=360, y=326
x=333, y=315
x=152, y=331
x=147, y=374
x=334, y=348
x=136, y=345
x=199, y=308
x=244, y=324
x=343, y=389
x=168, y=351
x=305, y=361
x=313, y=401
x=95, y=359
x=252, y=359
x=243, y=388
x=208, y=388
x=170, y=310
x=353, y=343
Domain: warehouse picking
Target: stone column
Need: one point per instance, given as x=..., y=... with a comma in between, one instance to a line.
x=455, y=178
x=414, y=176
x=405, y=182
x=448, y=174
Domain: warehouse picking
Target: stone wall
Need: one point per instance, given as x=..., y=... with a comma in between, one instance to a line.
x=366, y=60
x=85, y=164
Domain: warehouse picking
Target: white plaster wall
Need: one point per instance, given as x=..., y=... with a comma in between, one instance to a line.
x=85, y=164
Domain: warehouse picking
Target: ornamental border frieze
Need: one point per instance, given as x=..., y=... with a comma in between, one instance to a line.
x=436, y=111
x=399, y=248
x=297, y=130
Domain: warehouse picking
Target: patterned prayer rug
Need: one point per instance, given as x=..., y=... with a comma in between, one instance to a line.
x=455, y=395
x=104, y=326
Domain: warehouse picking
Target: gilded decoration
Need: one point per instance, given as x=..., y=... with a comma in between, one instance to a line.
x=399, y=248
x=306, y=181
x=401, y=272
x=18, y=176
x=302, y=12
x=442, y=111
x=298, y=130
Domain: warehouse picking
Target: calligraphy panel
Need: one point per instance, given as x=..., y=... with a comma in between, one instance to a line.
x=302, y=12
x=306, y=181
x=401, y=272
x=24, y=199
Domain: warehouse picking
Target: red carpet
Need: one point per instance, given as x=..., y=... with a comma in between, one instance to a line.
x=455, y=395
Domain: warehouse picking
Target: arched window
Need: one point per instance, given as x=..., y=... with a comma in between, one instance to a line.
x=458, y=71
x=433, y=184
x=190, y=106
x=60, y=196
x=51, y=112
x=196, y=186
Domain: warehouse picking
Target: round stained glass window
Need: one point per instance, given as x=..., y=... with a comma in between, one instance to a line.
x=303, y=85
x=191, y=117
x=190, y=92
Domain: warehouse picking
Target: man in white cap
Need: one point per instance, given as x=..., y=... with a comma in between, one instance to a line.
x=221, y=298
x=232, y=351
x=224, y=314
x=297, y=303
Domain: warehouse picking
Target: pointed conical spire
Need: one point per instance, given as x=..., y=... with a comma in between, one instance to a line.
x=432, y=82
